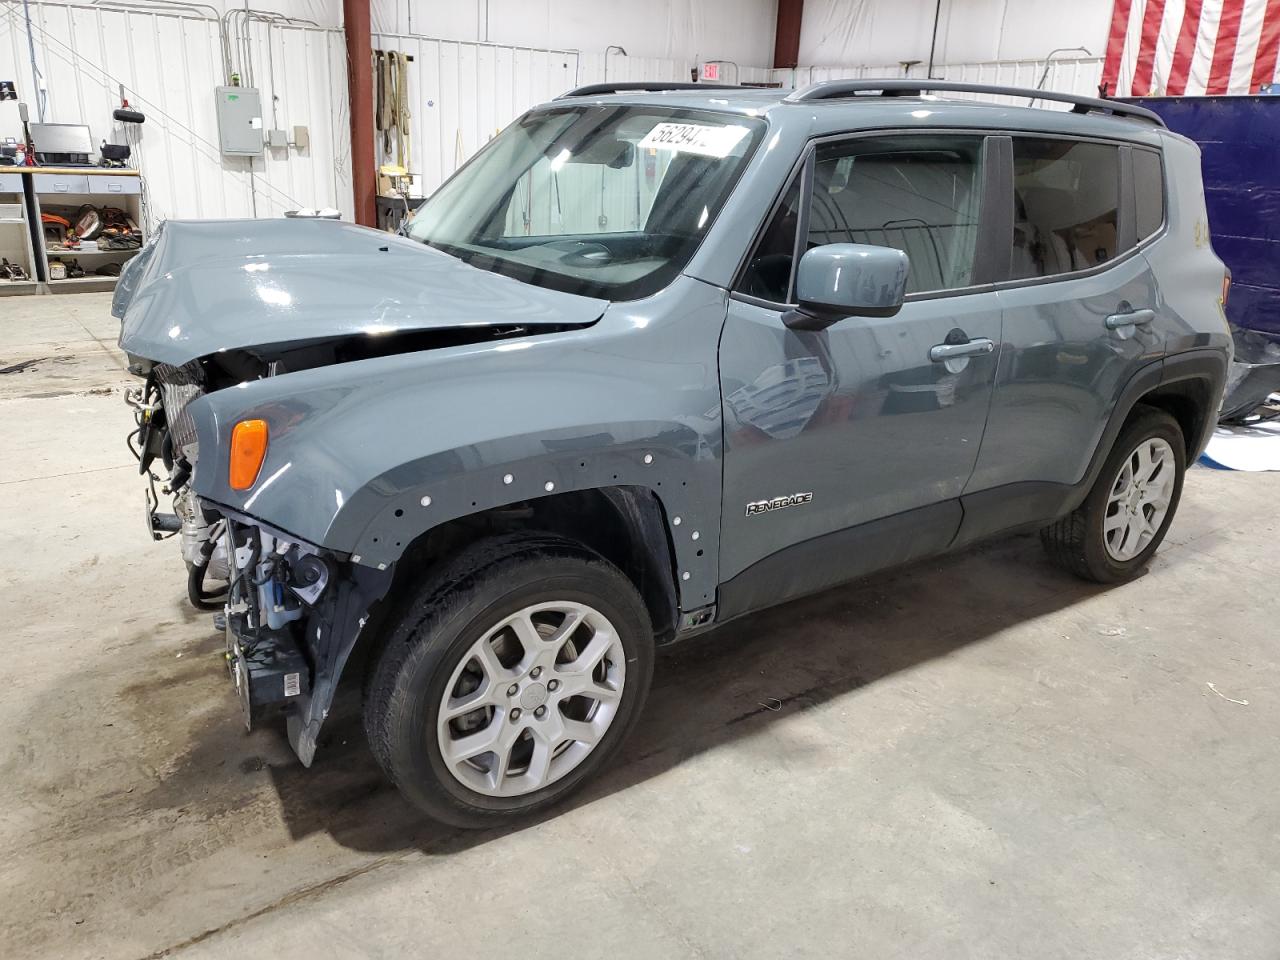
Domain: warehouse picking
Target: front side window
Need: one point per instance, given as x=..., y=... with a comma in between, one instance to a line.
x=1066, y=206
x=603, y=201
x=921, y=195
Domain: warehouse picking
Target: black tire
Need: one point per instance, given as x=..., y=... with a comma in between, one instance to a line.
x=1077, y=541
x=483, y=585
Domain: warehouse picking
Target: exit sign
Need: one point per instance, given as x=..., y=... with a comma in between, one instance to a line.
x=711, y=72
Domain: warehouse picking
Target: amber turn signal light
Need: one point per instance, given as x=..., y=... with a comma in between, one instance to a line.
x=248, y=450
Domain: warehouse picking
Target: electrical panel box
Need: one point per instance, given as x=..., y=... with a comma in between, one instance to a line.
x=240, y=121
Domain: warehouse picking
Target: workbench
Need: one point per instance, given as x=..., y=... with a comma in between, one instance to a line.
x=28, y=192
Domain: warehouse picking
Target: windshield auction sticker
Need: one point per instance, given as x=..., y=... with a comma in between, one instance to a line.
x=694, y=138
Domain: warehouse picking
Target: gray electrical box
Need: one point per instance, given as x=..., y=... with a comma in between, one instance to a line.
x=240, y=121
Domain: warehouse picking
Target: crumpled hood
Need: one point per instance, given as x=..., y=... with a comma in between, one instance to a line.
x=205, y=286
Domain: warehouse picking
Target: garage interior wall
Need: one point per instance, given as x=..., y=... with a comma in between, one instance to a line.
x=1065, y=75
x=477, y=65
x=169, y=63
x=683, y=30
x=886, y=32
x=462, y=93
x=463, y=88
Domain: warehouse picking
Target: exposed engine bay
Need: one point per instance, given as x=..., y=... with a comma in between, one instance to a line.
x=166, y=435
x=289, y=627
x=165, y=444
x=203, y=310
x=291, y=612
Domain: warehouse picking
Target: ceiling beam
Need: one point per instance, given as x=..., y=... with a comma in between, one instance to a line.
x=364, y=181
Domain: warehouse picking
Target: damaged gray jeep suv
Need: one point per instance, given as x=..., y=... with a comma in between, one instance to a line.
x=652, y=360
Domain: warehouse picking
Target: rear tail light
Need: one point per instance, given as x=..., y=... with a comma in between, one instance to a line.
x=1226, y=287
x=248, y=450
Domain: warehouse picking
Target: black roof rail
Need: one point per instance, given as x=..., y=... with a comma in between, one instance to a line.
x=906, y=87
x=648, y=86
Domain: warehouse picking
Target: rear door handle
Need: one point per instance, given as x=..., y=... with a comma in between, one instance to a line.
x=1129, y=319
x=953, y=351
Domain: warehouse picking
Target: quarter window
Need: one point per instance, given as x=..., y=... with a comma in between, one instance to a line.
x=1066, y=206
x=1148, y=188
x=768, y=273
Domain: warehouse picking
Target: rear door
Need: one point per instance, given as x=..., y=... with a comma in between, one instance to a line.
x=1079, y=321
x=847, y=449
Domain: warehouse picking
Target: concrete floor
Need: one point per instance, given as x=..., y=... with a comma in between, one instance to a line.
x=978, y=757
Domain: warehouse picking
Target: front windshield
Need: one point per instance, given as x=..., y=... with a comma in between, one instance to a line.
x=603, y=201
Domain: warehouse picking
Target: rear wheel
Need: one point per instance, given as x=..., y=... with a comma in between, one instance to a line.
x=499, y=695
x=1111, y=536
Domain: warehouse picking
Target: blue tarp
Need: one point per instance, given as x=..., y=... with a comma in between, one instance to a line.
x=1239, y=138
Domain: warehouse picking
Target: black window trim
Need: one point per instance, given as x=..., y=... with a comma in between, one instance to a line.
x=802, y=169
x=999, y=229
x=802, y=219
x=995, y=216
x=1127, y=203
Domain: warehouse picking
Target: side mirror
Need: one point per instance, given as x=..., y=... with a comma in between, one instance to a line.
x=841, y=280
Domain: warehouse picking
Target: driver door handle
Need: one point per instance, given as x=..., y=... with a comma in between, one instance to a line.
x=1129, y=319
x=952, y=351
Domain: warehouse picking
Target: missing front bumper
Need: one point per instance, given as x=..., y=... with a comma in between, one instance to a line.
x=268, y=670
x=294, y=613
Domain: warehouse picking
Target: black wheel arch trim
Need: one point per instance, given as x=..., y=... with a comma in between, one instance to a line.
x=1206, y=364
x=1029, y=505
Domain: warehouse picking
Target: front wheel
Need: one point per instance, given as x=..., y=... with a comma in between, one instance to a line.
x=499, y=695
x=1110, y=537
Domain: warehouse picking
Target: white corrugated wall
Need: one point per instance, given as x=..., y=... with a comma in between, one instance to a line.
x=1078, y=76
x=599, y=68
x=462, y=93
x=837, y=32
x=1064, y=76
x=624, y=68
x=169, y=65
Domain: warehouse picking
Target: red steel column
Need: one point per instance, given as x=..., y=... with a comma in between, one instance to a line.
x=364, y=180
x=786, y=38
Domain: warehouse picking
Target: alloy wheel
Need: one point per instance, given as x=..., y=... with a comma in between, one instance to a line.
x=531, y=699
x=1139, y=499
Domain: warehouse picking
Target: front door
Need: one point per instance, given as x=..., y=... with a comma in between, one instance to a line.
x=847, y=449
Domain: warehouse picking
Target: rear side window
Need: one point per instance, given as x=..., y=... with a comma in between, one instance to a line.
x=1066, y=206
x=1148, y=188
x=921, y=195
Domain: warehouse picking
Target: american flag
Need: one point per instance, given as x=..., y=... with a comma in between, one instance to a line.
x=1191, y=47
